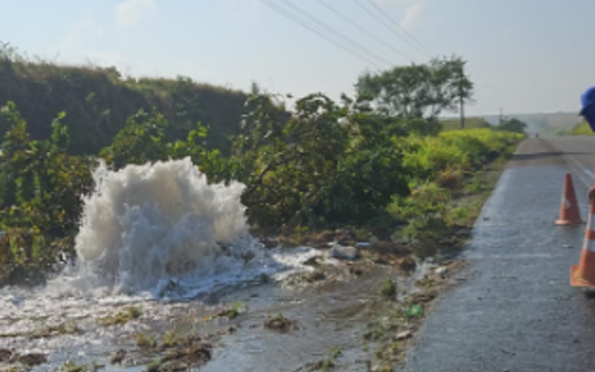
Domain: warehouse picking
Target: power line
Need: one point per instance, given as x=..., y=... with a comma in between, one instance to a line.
x=385, y=24
x=283, y=12
x=399, y=26
x=332, y=30
x=323, y=2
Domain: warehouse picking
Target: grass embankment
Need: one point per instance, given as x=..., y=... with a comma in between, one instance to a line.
x=99, y=100
x=582, y=129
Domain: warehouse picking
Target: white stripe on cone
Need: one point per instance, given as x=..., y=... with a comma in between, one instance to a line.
x=567, y=204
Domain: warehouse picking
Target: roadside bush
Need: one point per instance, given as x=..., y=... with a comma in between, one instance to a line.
x=437, y=167
x=321, y=166
x=40, y=198
x=424, y=213
x=425, y=157
x=460, y=151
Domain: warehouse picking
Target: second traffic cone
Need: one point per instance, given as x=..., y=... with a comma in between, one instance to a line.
x=569, y=212
x=583, y=274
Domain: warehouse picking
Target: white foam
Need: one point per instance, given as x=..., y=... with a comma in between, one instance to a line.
x=153, y=232
x=148, y=232
x=153, y=226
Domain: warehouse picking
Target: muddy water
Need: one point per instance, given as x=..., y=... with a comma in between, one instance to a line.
x=329, y=314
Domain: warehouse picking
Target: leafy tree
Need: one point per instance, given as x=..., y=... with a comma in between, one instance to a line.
x=41, y=189
x=187, y=106
x=210, y=162
x=418, y=90
x=513, y=125
x=325, y=164
x=483, y=123
x=318, y=142
x=287, y=163
x=140, y=141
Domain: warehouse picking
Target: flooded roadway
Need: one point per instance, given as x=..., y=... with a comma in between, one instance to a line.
x=517, y=311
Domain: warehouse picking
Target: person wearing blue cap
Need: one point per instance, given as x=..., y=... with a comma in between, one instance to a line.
x=588, y=110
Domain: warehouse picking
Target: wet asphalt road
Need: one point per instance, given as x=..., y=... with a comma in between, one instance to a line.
x=516, y=310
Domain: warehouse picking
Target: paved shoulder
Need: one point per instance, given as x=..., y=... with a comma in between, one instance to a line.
x=516, y=311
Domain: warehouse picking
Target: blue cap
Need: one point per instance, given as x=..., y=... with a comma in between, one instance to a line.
x=588, y=110
x=588, y=100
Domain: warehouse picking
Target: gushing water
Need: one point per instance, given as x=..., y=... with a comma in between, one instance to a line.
x=157, y=233
x=148, y=232
x=161, y=230
x=147, y=224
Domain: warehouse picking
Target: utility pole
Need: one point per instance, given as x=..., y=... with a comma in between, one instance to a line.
x=500, y=116
x=462, y=103
x=461, y=96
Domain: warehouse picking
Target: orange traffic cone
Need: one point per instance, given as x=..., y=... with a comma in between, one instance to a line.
x=569, y=212
x=583, y=275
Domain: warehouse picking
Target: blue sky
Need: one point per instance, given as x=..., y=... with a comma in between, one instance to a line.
x=523, y=55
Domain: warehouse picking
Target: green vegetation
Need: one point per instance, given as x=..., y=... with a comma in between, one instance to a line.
x=70, y=366
x=375, y=163
x=328, y=363
x=418, y=90
x=388, y=289
x=443, y=169
x=144, y=341
x=582, y=129
x=122, y=317
x=512, y=125
x=173, y=339
x=235, y=310
x=99, y=101
x=68, y=328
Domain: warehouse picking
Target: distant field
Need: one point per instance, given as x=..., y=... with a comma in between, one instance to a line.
x=454, y=124
x=544, y=123
x=548, y=123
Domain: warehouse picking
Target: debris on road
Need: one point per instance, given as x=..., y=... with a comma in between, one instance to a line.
x=404, y=335
x=341, y=252
x=280, y=324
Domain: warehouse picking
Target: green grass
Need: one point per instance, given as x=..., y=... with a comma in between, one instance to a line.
x=122, y=317
x=388, y=289
x=70, y=366
x=581, y=129
x=144, y=341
